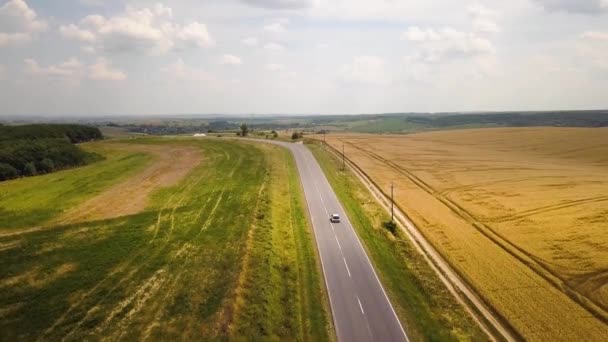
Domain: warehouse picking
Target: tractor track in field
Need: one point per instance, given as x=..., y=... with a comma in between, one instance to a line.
x=131, y=268
x=540, y=210
x=170, y=165
x=533, y=262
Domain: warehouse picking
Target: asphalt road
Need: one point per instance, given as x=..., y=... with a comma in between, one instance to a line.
x=361, y=310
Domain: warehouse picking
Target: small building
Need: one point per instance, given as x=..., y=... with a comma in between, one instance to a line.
x=200, y=134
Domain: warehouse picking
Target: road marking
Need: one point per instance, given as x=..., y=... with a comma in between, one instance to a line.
x=360, y=306
x=307, y=158
x=364, y=253
x=347, y=270
x=338, y=243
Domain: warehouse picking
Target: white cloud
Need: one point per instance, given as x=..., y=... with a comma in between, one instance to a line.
x=18, y=23
x=485, y=25
x=280, y=4
x=103, y=71
x=596, y=35
x=194, y=33
x=274, y=47
x=276, y=28
x=483, y=19
x=440, y=45
x=275, y=67
x=416, y=34
x=180, y=71
x=379, y=10
x=575, y=6
x=230, y=60
x=68, y=69
x=593, y=49
x=150, y=30
x=12, y=38
x=74, y=70
x=250, y=41
x=2, y=72
x=93, y=3
x=74, y=32
x=88, y=49
x=365, y=69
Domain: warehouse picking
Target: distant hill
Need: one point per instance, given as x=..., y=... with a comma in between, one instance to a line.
x=30, y=150
x=426, y=122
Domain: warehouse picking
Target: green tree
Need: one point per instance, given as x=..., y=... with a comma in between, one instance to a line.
x=46, y=165
x=30, y=169
x=8, y=172
x=296, y=135
x=244, y=130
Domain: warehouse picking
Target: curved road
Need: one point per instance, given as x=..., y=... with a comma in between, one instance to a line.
x=361, y=310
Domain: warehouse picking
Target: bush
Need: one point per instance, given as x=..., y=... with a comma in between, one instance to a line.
x=296, y=135
x=390, y=226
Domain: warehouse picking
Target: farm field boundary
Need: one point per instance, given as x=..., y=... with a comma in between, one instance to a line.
x=427, y=307
x=519, y=253
x=534, y=307
x=492, y=323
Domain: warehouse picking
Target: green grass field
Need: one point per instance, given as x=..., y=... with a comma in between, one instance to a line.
x=223, y=254
x=425, y=307
x=27, y=202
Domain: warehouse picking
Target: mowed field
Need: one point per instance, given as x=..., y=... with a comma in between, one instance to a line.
x=521, y=213
x=170, y=239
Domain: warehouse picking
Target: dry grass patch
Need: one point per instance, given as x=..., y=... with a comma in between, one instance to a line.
x=171, y=164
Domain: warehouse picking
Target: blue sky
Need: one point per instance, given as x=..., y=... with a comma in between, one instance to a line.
x=95, y=57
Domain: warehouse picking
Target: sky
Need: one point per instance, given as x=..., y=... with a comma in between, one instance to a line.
x=107, y=57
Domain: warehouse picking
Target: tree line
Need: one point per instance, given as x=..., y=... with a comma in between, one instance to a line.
x=30, y=150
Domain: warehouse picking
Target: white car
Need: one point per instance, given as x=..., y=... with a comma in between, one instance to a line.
x=334, y=218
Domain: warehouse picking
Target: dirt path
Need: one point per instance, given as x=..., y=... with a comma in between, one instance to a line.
x=171, y=164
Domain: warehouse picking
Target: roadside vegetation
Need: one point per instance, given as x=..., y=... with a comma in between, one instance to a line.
x=426, y=308
x=223, y=253
x=30, y=150
x=280, y=294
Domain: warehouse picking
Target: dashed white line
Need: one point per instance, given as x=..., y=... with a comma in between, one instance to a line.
x=360, y=305
x=345, y=264
x=338, y=243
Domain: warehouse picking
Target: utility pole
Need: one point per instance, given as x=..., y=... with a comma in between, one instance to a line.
x=392, y=204
x=343, y=163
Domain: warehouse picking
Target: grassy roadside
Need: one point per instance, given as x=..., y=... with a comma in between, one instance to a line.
x=425, y=307
x=281, y=296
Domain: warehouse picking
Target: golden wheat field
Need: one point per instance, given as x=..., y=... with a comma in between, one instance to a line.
x=521, y=213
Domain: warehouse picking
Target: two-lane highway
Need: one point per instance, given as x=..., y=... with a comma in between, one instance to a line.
x=361, y=309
